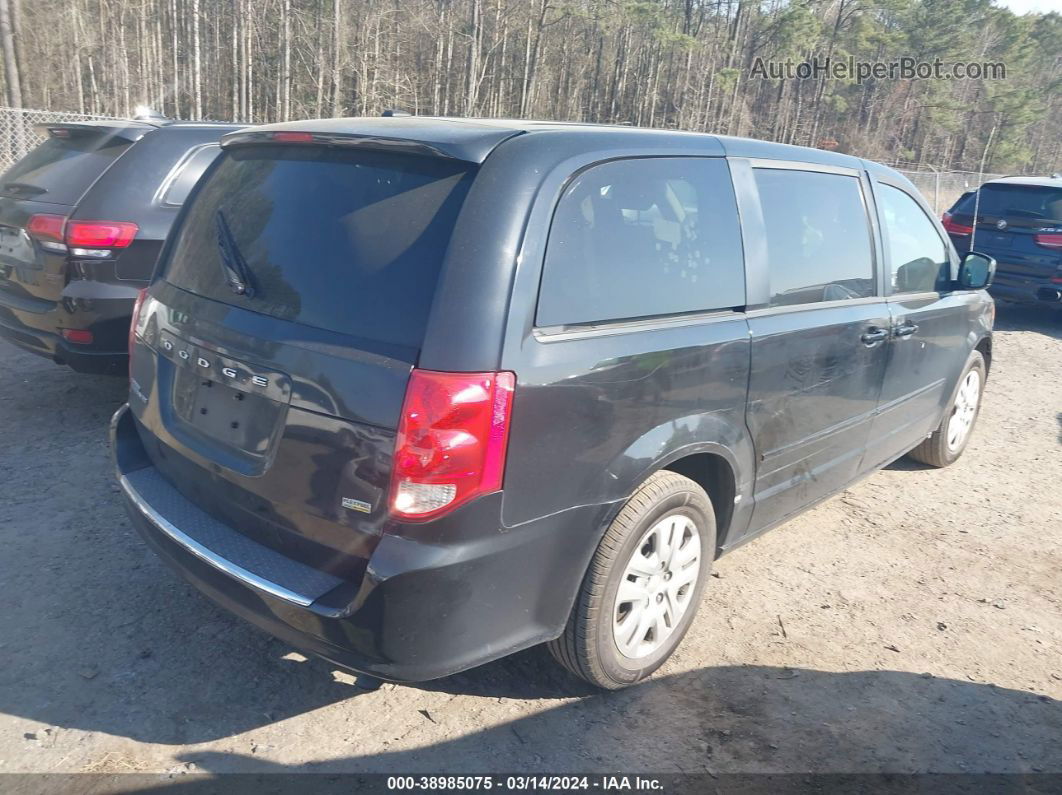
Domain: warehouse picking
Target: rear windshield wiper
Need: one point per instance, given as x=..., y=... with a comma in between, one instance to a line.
x=24, y=187
x=234, y=266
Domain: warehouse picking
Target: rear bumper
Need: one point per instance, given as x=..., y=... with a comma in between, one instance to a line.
x=54, y=347
x=425, y=607
x=35, y=326
x=1026, y=290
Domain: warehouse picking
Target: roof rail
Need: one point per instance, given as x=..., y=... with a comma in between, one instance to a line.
x=394, y=112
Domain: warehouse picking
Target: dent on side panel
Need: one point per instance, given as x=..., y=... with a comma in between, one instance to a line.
x=593, y=416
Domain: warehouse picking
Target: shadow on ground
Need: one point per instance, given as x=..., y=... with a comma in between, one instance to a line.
x=1041, y=318
x=743, y=718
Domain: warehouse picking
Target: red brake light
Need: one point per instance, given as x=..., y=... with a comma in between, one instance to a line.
x=451, y=442
x=1048, y=241
x=100, y=234
x=137, y=305
x=77, y=336
x=953, y=228
x=45, y=226
x=293, y=137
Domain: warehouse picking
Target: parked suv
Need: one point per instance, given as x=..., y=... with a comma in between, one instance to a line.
x=1019, y=223
x=413, y=394
x=82, y=220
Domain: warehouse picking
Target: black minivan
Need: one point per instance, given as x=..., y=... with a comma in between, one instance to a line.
x=82, y=220
x=413, y=394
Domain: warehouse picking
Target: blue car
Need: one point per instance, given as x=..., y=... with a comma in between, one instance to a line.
x=1019, y=223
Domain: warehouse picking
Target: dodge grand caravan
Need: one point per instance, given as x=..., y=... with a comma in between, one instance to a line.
x=82, y=219
x=413, y=394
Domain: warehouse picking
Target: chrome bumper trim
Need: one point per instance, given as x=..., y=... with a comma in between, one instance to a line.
x=206, y=555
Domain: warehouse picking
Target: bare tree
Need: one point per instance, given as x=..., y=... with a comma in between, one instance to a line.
x=12, y=78
x=666, y=63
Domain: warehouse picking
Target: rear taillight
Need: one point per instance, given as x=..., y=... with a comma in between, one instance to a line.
x=137, y=305
x=451, y=441
x=1048, y=241
x=953, y=228
x=85, y=238
x=78, y=336
x=48, y=230
x=92, y=236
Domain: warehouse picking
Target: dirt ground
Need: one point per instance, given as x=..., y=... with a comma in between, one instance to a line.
x=912, y=624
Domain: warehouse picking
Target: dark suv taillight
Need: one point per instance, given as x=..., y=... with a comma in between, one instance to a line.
x=84, y=238
x=1048, y=240
x=47, y=229
x=100, y=234
x=451, y=442
x=954, y=228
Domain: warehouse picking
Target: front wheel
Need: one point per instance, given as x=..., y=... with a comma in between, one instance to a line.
x=643, y=586
x=947, y=442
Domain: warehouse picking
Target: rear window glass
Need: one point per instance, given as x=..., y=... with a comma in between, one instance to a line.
x=643, y=238
x=343, y=240
x=60, y=170
x=1015, y=203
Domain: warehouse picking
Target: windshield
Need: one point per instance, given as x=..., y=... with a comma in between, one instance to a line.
x=60, y=170
x=343, y=240
x=1015, y=203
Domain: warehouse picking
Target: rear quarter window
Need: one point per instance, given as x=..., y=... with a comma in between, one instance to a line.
x=344, y=240
x=643, y=238
x=180, y=181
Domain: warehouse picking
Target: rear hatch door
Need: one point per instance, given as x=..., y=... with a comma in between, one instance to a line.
x=51, y=180
x=294, y=296
x=1011, y=217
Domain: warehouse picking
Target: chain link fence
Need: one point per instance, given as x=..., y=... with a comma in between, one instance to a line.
x=17, y=133
x=942, y=188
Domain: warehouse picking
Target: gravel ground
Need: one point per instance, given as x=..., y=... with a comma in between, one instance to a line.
x=911, y=624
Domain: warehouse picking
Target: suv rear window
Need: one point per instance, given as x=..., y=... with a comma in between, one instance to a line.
x=60, y=170
x=1015, y=203
x=343, y=240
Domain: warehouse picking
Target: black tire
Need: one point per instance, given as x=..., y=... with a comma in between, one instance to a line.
x=587, y=647
x=934, y=450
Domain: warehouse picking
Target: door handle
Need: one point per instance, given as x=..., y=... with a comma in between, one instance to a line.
x=905, y=330
x=874, y=336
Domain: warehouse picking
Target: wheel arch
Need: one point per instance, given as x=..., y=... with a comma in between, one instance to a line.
x=714, y=473
x=714, y=450
x=984, y=346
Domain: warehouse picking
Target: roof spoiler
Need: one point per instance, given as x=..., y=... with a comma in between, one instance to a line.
x=451, y=139
x=125, y=131
x=378, y=143
x=402, y=145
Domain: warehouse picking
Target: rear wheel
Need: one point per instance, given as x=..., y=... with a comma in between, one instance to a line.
x=947, y=442
x=643, y=586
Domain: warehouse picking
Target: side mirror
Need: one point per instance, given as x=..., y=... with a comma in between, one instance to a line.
x=976, y=271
